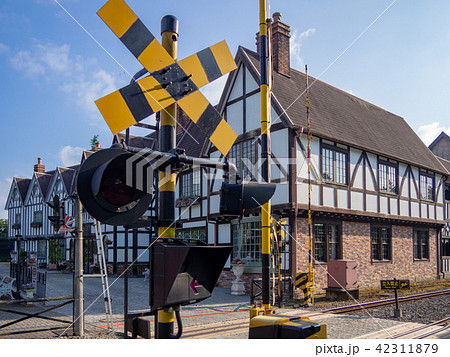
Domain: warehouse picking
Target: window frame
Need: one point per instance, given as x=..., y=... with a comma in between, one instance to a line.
x=388, y=165
x=180, y=234
x=420, y=244
x=327, y=243
x=190, y=175
x=243, y=150
x=380, y=250
x=254, y=243
x=430, y=176
x=334, y=150
x=447, y=191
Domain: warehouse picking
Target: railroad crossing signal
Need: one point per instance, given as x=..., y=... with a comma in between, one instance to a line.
x=169, y=81
x=58, y=213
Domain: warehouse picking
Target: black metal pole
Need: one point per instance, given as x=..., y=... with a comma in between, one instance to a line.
x=125, y=287
x=18, y=280
x=167, y=143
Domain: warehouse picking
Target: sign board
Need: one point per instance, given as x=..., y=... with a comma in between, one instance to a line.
x=68, y=226
x=394, y=284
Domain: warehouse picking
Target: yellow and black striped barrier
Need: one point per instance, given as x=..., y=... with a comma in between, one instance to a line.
x=169, y=81
x=305, y=282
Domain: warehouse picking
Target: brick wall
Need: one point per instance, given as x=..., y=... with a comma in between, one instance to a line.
x=356, y=246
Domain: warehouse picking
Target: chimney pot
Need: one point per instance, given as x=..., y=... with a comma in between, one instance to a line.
x=97, y=147
x=276, y=16
x=39, y=167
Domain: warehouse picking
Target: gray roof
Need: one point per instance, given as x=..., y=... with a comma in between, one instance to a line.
x=441, y=136
x=22, y=185
x=444, y=163
x=339, y=116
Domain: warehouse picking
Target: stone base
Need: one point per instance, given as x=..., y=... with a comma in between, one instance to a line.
x=341, y=294
x=238, y=288
x=398, y=313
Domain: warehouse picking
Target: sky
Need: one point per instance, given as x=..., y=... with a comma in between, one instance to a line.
x=57, y=57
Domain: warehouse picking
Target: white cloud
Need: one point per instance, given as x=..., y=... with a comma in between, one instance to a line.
x=296, y=45
x=3, y=48
x=44, y=59
x=429, y=132
x=5, y=185
x=86, y=90
x=81, y=79
x=23, y=62
x=70, y=155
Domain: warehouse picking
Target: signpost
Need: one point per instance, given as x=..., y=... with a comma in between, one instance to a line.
x=395, y=285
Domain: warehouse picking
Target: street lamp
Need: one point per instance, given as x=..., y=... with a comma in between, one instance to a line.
x=18, y=280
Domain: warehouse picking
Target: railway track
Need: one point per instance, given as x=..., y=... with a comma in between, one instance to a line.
x=380, y=303
x=221, y=329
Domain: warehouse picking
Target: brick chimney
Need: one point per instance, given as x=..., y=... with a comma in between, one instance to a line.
x=97, y=147
x=39, y=167
x=280, y=45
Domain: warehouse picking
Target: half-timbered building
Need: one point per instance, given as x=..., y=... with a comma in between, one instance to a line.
x=441, y=148
x=377, y=192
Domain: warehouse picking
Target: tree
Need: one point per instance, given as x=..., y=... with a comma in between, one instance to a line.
x=3, y=227
x=94, y=141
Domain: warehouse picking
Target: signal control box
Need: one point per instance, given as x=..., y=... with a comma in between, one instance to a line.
x=283, y=326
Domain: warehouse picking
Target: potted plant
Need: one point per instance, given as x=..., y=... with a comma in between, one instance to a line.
x=62, y=265
x=23, y=255
x=95, y=268
x=31, y=261
x=238, y=285
x=29, y=290
x=13, y=255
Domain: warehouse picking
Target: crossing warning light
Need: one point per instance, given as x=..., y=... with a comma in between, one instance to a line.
x=58, y=213
x=103, y=190
x=236, y=198
x=183, y=273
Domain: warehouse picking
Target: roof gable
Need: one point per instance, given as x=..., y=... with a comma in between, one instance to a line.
x=441, y=136
x=15, y=198
x=57, y=186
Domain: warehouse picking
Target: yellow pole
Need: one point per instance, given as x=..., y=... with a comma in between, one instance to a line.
x=167, y=142
x=265, y=153
x=309, y=298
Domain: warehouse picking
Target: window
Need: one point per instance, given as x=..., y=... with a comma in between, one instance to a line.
x=421, y=250
x=447, y=191
x=381, y=243
x=247, y=241
x=244, y=155
x=334, y=165
x=192, y=234
x=387, y=176
x=17, y=219
x=426, y=187
x=191, y=184
x=37, y=217
x=327, y=242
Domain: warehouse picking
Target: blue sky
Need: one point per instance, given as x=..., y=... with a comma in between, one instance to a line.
x=51, y=70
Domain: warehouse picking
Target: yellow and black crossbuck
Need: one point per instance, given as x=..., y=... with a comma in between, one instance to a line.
x=169, y=81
